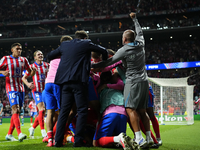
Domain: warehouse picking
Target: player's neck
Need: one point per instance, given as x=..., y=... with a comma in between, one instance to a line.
x=16, y=56
x=39, y=62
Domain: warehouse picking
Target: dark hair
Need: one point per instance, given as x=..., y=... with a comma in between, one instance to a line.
x=95, y=55
x=81, y=34
x=105, y=77
x=15, y=44
x=65, y=38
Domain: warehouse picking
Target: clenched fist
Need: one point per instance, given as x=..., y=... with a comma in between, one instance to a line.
x=132, y=15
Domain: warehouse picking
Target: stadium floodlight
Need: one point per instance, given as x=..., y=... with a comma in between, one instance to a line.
x=151, y=39
x=171, y=37
x=190, y=35
x=173, y=101
x=0, y=34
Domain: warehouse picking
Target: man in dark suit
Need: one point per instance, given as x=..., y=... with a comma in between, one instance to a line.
x=72, y=75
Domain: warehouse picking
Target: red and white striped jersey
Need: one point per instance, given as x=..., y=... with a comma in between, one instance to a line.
x=15, y=67
x=32, y=106
x=40, y=76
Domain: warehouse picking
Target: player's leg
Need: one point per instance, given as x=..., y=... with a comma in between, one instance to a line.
x=41, y=108
x=31, y=117
x=0, y=119
x=22, y=116
x=141, y=109
x=21, y=136
x=50, y=94
x=16, y=100
x=134, y=99
x=49, y=125
x=155, y=124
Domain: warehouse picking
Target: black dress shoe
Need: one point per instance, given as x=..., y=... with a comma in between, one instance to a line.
x=57, y=144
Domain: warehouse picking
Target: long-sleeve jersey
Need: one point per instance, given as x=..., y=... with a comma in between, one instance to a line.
x=15, y=66
x=133, y=57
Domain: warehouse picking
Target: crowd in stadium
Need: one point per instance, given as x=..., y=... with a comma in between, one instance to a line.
x=25, y=13
x=50, y=9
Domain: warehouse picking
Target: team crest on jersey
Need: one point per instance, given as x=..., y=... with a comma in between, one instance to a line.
x=42, y=76
x=12, y=101
x=38, y=99
x=17, y=70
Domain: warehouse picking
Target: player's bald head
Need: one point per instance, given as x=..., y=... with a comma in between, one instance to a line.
x=129, y=35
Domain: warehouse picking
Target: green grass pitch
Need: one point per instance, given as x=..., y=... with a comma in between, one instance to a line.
x=174, y=137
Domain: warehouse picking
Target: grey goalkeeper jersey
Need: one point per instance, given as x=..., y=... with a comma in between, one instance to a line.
x=133, y=57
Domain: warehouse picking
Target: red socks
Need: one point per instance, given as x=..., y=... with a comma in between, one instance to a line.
x=16, y=122
x=155, y=124
x=104, y=141
x=50, y=135
x=12, y=126
x=41, y=119
x=31, y=120
x=36, y=123
x=72, y=139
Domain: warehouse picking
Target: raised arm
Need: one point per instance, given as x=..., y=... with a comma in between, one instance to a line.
x=139, y=33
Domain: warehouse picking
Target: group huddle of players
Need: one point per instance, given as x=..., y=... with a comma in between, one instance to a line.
x=107, y=116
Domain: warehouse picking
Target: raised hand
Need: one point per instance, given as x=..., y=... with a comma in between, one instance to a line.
x=132, y=15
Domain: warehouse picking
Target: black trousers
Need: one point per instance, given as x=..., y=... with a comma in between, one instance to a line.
x=70, y=92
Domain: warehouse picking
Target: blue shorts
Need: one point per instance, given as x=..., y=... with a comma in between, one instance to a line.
x=16, y=98
x=151, y=97
x=37, y=97
x=33, y=114
x=51, y=96
x=93, y=94
x=111, y=124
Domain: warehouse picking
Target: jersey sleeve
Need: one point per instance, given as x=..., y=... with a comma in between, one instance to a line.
x=27, y=73
x=139, y=33
x=2, y=62
x=27, y=65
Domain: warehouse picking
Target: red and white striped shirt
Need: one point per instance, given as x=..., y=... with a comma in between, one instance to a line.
x=15, y=67
x=32, y=106
x=40, y=76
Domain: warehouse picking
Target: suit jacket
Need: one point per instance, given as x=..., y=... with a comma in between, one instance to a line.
x=75, y=61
